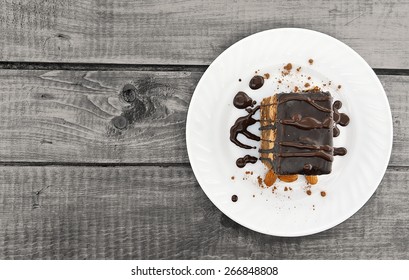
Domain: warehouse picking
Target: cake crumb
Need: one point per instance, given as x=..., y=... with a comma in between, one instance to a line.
x=296, y=89
x=232, y=177
x=339, y=86
x=298, y=69
x=309, y=192
x=309, y=78
x=266, y=76
x=323, y=194
x=310, y=61
x=287, y=69
x=260, y=181
x=306, y=85
x=285, y=189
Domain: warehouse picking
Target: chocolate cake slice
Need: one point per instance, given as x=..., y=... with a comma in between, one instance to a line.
x=296, y=133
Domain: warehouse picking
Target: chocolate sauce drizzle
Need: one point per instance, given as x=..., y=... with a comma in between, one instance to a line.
x=241, y=162
x=307, y=122
x=241, y=125
x=339, y=118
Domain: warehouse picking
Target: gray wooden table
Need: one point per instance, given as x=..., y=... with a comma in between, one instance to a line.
x=77, y=182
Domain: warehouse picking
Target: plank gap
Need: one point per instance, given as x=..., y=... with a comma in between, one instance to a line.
x=17, y=65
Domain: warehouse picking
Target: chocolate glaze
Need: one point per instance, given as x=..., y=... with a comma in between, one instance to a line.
x=242, y=100
x=241, y=162
x=241, y=125
x=308, y=99
x=303, y=143
x=256, y=82
x=339, y=118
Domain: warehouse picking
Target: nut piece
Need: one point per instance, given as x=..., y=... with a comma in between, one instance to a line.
x=288, y=178
x=270, y=178
x=313, y=179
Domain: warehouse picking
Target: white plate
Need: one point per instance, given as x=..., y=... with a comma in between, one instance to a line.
x=368, y=137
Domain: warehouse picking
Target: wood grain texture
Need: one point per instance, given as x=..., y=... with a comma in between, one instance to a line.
x=191, y=32
x=161, y=213
x=66, y=116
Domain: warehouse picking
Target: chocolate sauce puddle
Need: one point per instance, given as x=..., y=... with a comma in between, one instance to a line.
x=340, y=151
x=256, y=82
x=241, y=162
x=241, y=125
x=242, y=100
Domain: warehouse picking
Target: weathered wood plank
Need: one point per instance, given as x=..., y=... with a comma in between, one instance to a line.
x=191, y=32
x=70, y=116
x=66, y=116
x=155, y=212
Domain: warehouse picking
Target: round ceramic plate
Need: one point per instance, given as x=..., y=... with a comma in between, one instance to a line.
x=288, y=210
